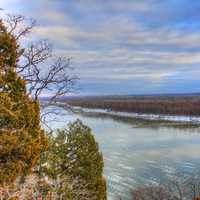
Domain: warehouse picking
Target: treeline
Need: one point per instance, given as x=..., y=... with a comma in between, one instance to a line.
x=180, y=105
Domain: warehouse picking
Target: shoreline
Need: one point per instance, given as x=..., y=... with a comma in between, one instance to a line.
x=151, y=117
x=140, y=121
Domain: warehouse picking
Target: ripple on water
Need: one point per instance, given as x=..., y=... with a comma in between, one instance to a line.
x=135, y=156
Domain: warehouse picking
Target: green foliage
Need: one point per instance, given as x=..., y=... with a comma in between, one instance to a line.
x=76, y=165
x=21, y=137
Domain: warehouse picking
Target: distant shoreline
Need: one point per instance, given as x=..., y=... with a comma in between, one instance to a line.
x=155, y=106
x=143, y=120
x=151, y=117
x=138, y=120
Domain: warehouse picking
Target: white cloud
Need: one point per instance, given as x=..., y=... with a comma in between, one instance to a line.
x=52, y=16
x=113, y=6
x=116, y=45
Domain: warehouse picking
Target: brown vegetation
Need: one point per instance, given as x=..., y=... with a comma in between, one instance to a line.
x=173, y=190
x=169, y=105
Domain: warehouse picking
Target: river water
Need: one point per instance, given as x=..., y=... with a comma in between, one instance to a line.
x=136, y=156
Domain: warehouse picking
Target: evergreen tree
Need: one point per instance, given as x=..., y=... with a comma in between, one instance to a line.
x=21, y=137
x=76, y=165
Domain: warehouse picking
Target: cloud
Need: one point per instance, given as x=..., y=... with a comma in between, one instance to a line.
x=113, y=6
x=52, y=16
x=59, y=35
x=147, y=41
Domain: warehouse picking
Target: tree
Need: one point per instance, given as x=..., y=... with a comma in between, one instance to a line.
x=76, y=165
x=55, y=78
x=174, y=189
x=21, y=138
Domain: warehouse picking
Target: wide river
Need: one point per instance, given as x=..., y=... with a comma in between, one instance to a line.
x=137, y=156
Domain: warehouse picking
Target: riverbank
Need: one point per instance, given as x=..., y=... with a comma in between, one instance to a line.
x=142, y=120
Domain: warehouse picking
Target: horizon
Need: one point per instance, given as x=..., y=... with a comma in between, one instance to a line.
x=130, y=95
x=125, y=47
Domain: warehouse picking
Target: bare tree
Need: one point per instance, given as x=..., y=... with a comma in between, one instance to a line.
x=43, y=72
x=173, y=190
x=18, y=25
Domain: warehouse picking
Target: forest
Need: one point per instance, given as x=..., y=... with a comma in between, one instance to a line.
x=166, y=104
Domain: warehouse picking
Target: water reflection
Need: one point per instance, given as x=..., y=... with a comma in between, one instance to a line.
x=136, y=156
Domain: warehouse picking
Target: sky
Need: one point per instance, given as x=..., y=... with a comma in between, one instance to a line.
x=122, y=46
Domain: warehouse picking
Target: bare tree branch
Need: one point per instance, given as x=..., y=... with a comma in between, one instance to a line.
x=17, y=26
x=43, y=72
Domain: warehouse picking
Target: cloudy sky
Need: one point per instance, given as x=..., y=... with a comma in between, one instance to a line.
x=122, y=46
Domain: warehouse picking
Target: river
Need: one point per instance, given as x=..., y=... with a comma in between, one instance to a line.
x=135, y=156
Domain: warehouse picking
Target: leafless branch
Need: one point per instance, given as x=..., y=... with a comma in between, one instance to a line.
x=173, y=190
x=17, y=26
x=43, y=72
